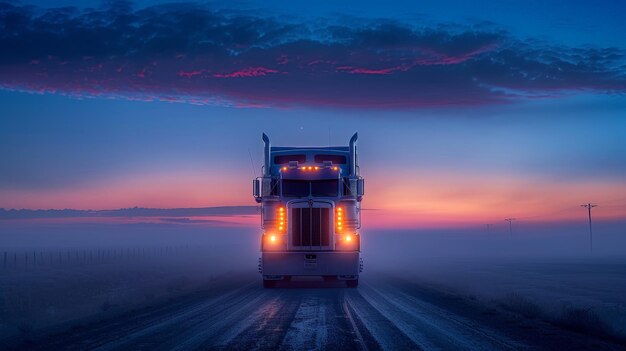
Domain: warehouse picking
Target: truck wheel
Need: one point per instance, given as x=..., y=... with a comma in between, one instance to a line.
x=352, y=283
x=268, y=284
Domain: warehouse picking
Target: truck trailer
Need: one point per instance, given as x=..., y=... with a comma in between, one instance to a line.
x=311, y=212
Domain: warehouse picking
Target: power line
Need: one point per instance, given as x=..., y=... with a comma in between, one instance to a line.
x=510, y=220
x=252, y=164
x=548, y=214
x=589, y=206
x=612, y=201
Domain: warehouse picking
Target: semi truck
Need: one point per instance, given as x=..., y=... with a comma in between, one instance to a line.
x=310, y=213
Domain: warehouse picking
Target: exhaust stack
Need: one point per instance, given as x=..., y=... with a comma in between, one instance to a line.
x=353, y=154
x=266, y=164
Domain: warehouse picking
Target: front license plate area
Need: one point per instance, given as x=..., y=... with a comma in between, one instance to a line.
x=310, y=261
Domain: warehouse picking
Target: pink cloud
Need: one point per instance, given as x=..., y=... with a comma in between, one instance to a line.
x=247, y=72
x=358, y=70
x=190, y=74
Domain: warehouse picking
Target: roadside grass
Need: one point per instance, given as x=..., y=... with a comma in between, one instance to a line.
x=516, y=303
x=584, y=320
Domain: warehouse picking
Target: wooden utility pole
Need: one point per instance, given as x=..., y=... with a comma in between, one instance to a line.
x=510, y=220
x=589, y=206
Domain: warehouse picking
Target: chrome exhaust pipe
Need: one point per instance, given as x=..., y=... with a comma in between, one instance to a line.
x=266, y=164
x=353, y=154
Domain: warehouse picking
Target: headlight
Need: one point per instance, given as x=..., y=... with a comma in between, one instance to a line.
x=273, y=242
x=348, y=242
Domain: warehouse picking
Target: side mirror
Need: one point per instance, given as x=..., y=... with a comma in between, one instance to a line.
x=256, y=189
x=360, y=188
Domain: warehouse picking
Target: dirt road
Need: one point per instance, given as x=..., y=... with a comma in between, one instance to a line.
x=382, y=313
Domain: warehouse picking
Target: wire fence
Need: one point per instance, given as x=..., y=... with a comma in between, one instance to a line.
x=23, y=259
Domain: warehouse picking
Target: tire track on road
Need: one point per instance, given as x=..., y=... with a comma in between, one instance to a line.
x=234, y=315
x=302, y=319
x=269, y=329
x=431, y=327
x=308, y=329
x=155, y=332
x=322, y=323
x=363, y=339
x=387, y=335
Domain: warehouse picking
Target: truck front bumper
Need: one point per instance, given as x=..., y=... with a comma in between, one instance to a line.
x=276, y=265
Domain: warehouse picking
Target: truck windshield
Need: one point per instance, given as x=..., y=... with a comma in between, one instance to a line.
x=295, y=188
x=325, y=187
x=317, y=188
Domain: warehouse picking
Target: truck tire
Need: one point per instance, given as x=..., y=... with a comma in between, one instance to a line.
x=268, y=284
x=352, y=283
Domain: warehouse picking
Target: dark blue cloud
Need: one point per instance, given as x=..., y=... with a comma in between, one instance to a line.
x=192, y=53
x=174, y=214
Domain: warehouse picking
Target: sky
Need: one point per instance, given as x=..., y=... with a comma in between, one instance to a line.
x=466, y=115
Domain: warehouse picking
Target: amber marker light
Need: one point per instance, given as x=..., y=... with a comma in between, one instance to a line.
x=281, y=219
x=339, y=219
x=284, y=168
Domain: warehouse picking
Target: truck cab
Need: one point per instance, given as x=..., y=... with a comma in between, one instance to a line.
x=311, y=212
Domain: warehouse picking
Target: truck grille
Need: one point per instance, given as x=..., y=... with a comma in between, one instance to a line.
x=310, y=226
